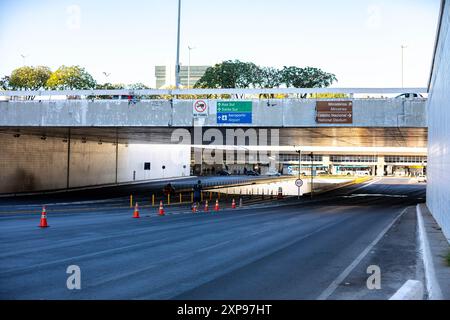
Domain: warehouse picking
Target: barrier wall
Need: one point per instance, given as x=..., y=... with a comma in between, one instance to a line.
x=28, y=163
x=179, y=113
x=438, y=107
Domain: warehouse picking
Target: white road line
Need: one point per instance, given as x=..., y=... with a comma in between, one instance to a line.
x=335, y=284
x=367, y=184
x=432, y=285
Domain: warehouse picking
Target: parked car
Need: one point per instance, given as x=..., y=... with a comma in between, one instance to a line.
x=409, y=95
x=252, y=173
x=273, y=173
x=422, y=178
x=224, y=173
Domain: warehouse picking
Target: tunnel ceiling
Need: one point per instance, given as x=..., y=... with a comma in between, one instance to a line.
x=323, y=136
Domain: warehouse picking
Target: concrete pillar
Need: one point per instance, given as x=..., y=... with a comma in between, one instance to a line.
x=380, y=166
x=326, y=161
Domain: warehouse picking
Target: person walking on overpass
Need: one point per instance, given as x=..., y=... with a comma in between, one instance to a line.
x=198, y=188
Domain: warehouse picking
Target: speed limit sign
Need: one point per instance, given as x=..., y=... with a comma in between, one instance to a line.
x=299, y=182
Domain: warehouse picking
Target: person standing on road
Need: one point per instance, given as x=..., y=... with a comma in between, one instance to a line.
x=198, y=193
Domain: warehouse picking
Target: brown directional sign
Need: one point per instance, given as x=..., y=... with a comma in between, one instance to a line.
x=334, y=112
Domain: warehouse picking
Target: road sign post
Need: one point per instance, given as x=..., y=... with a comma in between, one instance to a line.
x=299, y=184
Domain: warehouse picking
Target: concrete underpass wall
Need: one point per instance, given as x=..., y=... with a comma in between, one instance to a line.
x=162, y=113
x=28, y=163
x=438, y=188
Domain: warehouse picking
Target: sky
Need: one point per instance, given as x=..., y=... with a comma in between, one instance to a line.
x=357, y=40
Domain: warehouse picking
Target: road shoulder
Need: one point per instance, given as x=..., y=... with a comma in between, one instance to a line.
x=396, y=256
x=435, y=251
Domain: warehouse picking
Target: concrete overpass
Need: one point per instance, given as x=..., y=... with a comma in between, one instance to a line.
x=55, y=143
x=276, y=113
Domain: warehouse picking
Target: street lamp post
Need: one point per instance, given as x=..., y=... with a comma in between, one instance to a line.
x=299, y=170
x=24, y=56
x=189, y=66
x=312, y=174
x=403, y=47
x=177, y=67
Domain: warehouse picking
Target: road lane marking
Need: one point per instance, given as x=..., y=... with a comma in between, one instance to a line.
x=335, y=284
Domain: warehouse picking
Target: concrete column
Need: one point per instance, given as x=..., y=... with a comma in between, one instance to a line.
x=380, y=166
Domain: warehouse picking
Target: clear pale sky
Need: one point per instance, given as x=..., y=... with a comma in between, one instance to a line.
x=358, y=40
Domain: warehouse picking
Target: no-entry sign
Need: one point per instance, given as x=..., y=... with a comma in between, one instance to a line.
x=200, y=108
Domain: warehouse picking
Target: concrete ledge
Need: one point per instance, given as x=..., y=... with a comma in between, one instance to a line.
x=432, y=284
x=411, y=290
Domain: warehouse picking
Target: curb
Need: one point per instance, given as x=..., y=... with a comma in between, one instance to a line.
x=432, y=285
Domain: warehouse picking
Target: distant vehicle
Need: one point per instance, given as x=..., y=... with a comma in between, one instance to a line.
x=252, y=173
x=362, y=172
x=409, y=95
x=224, y=173
x=273, y=173
x=422, y=178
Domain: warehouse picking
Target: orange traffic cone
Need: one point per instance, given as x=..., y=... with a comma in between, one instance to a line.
x=233, y=204
x=216, y=207
x=161, y=208
x=43, y=223
x=194, y=208
x=206, y=206
x=136, y=211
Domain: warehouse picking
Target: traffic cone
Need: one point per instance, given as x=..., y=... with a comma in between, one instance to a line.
x=216, y=207
x=280, y=193
x=194, y=208
x=161, y=208
x=233, y=204
x=136, y=211
x=206, y=206
x=43, y=223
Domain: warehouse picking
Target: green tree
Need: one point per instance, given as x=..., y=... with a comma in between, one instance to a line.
x=4, y=83
x=138, y=86
x=230, y=74
x=107, y=86
x=70, y=78
x=29, y=78
x=308, y=77
x=269, y=77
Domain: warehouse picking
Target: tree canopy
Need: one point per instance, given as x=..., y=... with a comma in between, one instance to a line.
x=4, y=83
x=237, y=74
x=29, y=78
x=230, y=74
x=70, y=78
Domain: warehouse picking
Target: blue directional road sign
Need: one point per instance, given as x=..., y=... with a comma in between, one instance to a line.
x=234, y=111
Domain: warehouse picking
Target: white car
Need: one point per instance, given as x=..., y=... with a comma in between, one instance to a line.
x=273, y=173
x=409, y=95
x=422, y=178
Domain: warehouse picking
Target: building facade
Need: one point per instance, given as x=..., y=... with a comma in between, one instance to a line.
x=165, y=75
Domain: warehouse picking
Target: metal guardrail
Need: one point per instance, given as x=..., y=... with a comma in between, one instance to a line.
x=176, y=92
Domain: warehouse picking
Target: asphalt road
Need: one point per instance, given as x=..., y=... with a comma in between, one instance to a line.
x=293, y=251
x=120, y=193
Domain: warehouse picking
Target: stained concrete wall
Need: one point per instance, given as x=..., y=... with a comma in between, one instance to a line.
x=162, y=113
x=28, y=163
x=438, y=187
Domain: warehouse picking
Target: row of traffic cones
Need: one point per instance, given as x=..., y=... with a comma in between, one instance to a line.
x=44, y=224
x=194, y=208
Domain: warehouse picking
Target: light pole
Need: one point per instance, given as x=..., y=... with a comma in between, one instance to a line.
x=106, y=74
x=403, y=47
x=299, y=170
x=312, y=174
x=24, y=56
x=189, y=66
x=177, y=67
